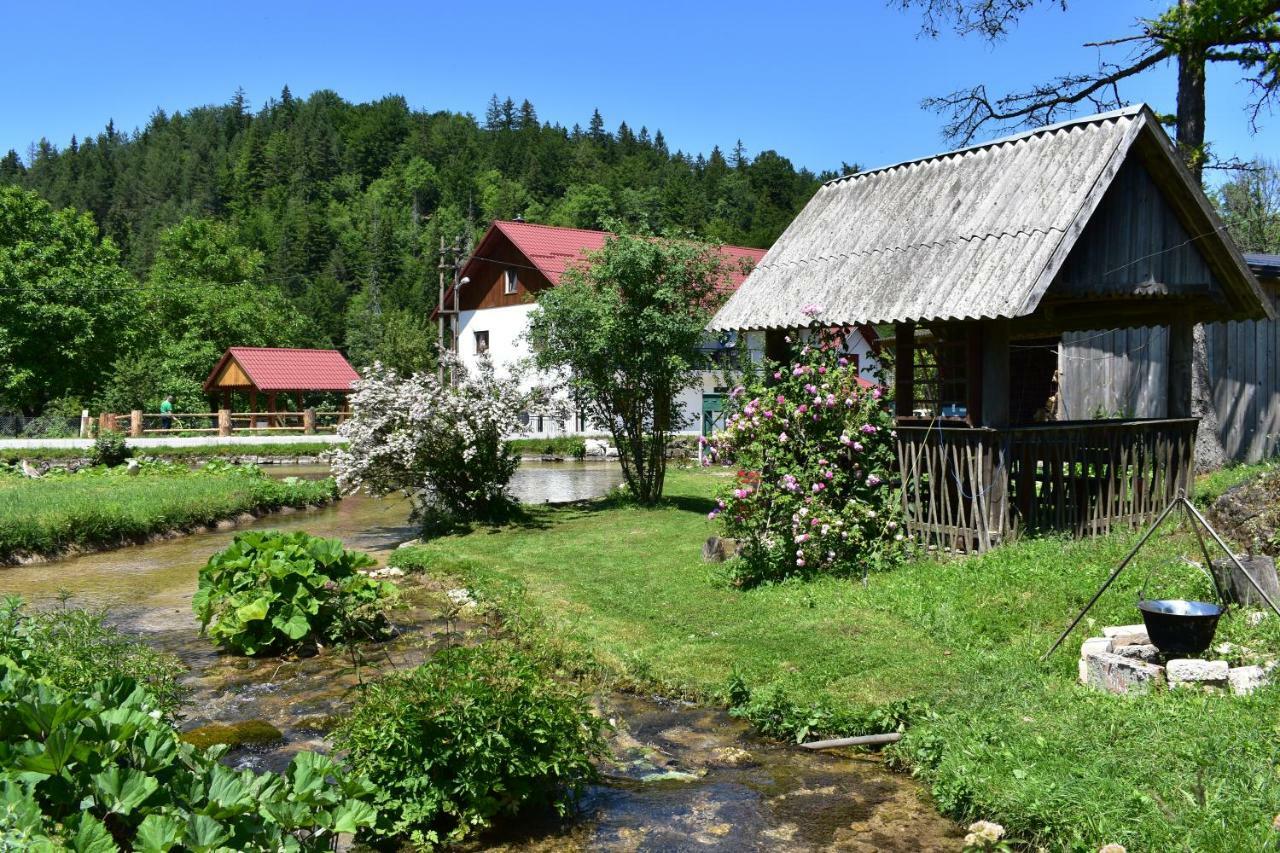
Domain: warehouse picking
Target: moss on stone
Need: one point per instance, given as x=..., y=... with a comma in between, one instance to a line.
x=244, y=733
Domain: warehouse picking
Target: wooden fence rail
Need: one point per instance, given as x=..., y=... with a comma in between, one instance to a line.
x=968, y=489
x=223, y=422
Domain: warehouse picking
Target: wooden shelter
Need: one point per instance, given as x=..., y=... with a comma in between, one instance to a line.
x=981, y=259
x=274, y=371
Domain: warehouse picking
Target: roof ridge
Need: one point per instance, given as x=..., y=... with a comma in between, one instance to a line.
x=1096, y=118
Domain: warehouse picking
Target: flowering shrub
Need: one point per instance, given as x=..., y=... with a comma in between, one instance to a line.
x=814, y=449
x=440, y=443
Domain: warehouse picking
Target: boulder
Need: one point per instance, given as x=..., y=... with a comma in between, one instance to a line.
x=595, y=447
x=1246, y=679
x=1117, y=674
x=1148, y=653
x=611, y=453
x=717, y=549
x=1236, y=586
x=1193, y=671
x=131, y=467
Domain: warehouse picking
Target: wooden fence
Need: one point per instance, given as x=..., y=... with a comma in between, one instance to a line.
x=224, y=422
x=969, y=489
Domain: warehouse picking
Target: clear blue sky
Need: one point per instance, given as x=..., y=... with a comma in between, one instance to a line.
x=818, y=82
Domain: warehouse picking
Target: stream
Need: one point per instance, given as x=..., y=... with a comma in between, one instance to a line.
x=680, y=776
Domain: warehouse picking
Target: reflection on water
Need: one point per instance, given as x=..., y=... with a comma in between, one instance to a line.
x=560, y=482
x=678, y=777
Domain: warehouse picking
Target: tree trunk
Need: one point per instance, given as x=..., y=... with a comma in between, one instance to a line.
x=1210, y=453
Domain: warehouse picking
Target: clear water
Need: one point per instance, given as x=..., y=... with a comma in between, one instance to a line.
x=679, y=777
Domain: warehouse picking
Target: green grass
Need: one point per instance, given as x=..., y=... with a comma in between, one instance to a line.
x=561, y=445
x=299, y=448
x=994, y=732
x=48, y=516
x=1212, y=486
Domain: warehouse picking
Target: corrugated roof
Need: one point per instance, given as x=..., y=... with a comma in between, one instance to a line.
x=974, y=233
x=281, y=369
x=553, y=249
x=1263, y=264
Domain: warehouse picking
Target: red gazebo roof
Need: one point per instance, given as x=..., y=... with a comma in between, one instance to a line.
x=280, y=369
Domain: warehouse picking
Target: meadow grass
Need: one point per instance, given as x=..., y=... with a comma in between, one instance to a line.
x=47, y=516
x=950, y=646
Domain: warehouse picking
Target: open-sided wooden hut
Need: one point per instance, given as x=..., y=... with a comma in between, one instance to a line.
x=978, y=258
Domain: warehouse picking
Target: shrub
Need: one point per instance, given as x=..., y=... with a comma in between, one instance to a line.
x=73, y=649
x=110, y=450
x=440, y=443
x=470, y=735
x=100, y=769
x=814, y=490
x=270, y=592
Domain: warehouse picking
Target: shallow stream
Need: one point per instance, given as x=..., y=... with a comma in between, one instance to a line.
x=680, y=777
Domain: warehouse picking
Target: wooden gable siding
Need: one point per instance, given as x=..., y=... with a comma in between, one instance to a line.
x=233, y=376
x=485, y=290
x=1134, y=244
x=1122, y=372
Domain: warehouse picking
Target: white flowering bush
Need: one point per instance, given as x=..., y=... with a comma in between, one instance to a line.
x=814, y=491
x=442, y=444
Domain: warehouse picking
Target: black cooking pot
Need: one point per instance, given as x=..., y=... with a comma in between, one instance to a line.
x=1177, y=626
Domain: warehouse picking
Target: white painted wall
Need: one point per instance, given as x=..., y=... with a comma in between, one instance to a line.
x=507, y=345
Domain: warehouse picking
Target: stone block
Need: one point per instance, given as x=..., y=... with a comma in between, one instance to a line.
x=1193, y=671
x=1117, y=674
x=1095, y=646
x=1127, y=635
x=1147, y=653
x=1246, y=679
x=1084, y=671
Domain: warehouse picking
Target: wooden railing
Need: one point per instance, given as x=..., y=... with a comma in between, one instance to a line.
x=969, y=489
x=223, y=422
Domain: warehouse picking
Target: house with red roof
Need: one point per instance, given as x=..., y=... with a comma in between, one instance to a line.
x=488, y=311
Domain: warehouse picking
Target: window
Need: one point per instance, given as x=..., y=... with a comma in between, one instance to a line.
x=509, y=284
x=539, y=422
x=482, y=343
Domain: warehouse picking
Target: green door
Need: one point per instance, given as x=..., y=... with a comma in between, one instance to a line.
x=712, y=413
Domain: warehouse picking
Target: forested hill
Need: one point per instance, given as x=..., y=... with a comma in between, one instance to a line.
x=353, y=195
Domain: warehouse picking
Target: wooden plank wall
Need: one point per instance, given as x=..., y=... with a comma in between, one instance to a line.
x=1122, y=371
x=1118, y=372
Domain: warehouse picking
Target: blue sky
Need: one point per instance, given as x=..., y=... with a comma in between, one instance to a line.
x=819, y=82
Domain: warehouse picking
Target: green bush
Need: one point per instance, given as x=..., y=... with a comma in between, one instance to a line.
x=100, y=769
x=470, y=735
x=271, y=592
x=73, y=649
x=110, y=450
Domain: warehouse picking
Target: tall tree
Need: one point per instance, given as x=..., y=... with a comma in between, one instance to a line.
x=625, y=331
x=1250, y=207
x=1244, y=34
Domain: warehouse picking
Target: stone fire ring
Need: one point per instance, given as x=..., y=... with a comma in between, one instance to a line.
x=1123, y=660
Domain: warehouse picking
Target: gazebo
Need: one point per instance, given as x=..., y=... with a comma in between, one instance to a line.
x=274, y=371
x=980, y=259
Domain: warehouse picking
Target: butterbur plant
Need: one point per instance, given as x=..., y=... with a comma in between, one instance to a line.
x=813, y=445
x=440, y=443
x=274, y=592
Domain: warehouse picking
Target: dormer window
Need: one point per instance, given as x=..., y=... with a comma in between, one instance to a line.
x=509, y=282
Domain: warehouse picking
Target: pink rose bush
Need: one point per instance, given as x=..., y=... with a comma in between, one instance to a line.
x=815, y=490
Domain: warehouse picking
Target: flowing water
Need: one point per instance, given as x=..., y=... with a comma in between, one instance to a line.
x=680, y=777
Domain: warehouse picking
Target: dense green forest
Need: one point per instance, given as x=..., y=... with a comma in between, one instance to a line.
x=318, y=222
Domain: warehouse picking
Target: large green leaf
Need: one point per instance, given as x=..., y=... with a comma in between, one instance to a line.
x=91, y=836
x=254, y=610
x=205, y=834
x=292, y=621
x=123, y=790
x=352, y=815
x=158, y=833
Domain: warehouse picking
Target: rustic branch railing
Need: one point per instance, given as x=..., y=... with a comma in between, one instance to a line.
x=968, y=489
x=138, y=423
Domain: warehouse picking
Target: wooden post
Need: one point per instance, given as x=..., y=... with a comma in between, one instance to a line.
x=1180, y=354
x=995, y=373
x=309, y=421
x=135, y=423
x=271, y=410
x=224, y=422
x=253, y=407
x=994, y=396
x=904, y=369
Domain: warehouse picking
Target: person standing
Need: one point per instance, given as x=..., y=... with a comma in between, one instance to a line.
x=166, y=412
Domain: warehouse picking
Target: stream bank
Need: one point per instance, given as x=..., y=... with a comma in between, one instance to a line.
x=679, y=776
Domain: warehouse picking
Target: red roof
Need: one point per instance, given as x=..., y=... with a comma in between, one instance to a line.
x=272, y=369
x=552, y=249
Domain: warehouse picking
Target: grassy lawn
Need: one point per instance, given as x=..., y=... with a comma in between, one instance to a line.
x=49, y=515
x=994, y=732
x=293, y=448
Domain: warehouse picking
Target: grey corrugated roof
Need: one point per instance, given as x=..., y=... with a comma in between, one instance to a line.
x=1263, y=264
x=973, y=233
